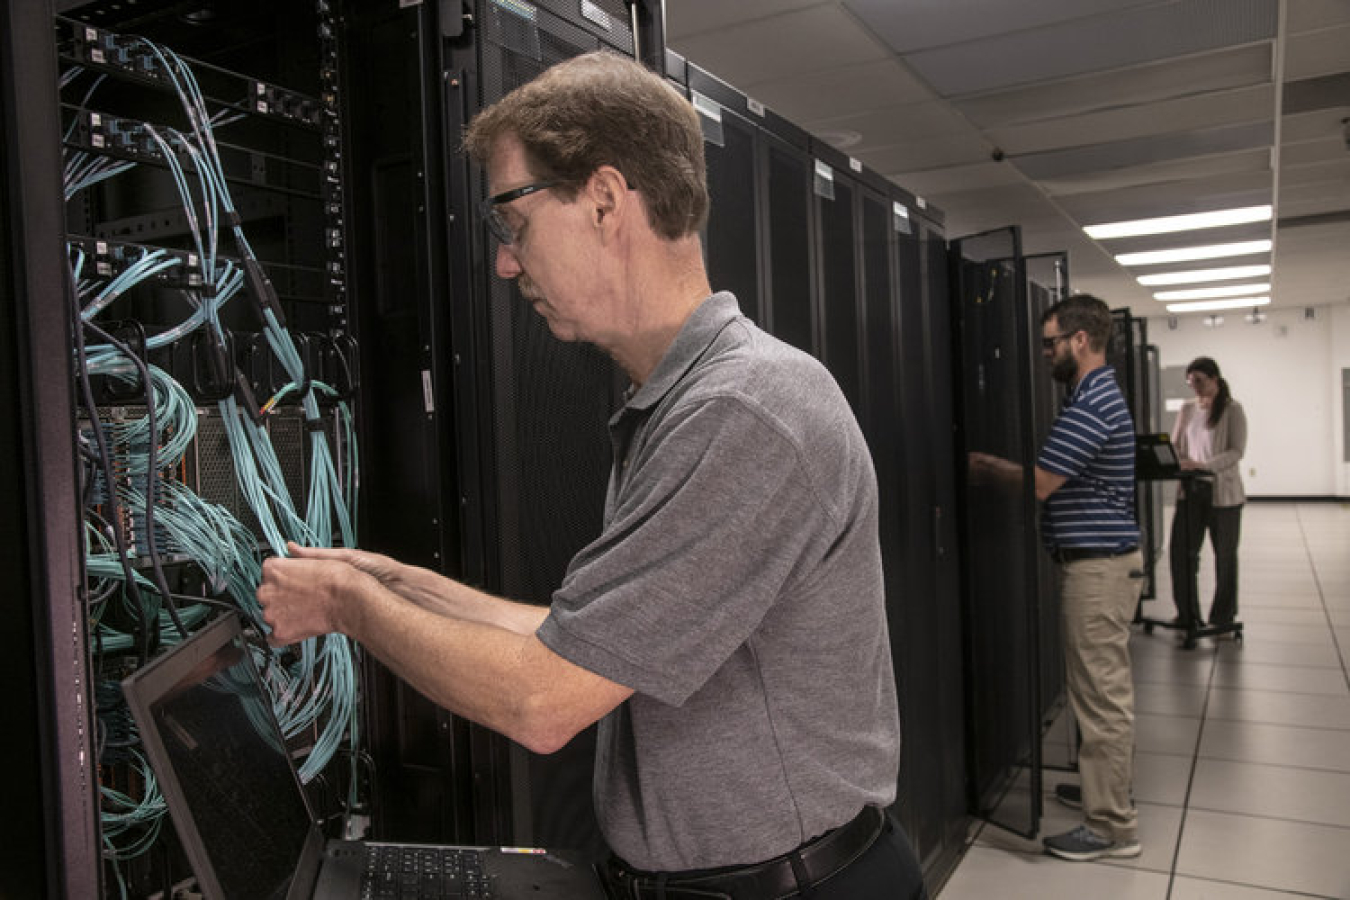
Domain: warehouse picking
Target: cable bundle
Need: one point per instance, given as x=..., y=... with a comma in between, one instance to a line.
x=135, y=460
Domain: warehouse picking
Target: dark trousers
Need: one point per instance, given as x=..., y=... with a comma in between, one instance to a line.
x=1195, y=515
x=888, y=870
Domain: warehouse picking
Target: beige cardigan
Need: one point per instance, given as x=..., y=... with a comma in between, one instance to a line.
x=1229, y=442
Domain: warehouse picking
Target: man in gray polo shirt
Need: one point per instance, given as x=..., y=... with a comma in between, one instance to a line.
x=727, y=628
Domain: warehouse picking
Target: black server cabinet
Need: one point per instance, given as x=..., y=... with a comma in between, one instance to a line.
x=532, y=411
x=50, y=832
x=733, y=239
x=929, y=649
x=422, y=495
x=999, y=539
x=838, y=246
x=789, y=262
x=90, y=85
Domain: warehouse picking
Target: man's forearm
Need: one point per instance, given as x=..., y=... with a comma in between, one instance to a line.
x=485, y=672
x=446, y=597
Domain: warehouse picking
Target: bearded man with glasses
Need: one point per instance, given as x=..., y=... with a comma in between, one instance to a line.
x=1085, y=479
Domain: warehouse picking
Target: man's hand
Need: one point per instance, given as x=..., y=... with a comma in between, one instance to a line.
x=986, y=468
x=303, y=597
x=383, y=569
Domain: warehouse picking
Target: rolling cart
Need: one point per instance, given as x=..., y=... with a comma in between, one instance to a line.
x=1155, y=460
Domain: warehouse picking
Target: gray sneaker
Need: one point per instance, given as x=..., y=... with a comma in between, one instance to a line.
x=1083, y=845
x=1071, y=795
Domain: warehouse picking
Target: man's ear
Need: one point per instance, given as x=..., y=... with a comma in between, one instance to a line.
x=606, y=193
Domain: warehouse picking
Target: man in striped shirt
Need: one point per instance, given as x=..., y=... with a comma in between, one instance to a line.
x=1085, y=477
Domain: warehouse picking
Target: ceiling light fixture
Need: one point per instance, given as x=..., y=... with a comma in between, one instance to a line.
x=1185, y=254
x=1188, y=222
x=1198, y=276
x=1207, y=293
x=1210, y=305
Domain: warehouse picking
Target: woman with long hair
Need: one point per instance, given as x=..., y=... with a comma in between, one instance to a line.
x=1210, y=434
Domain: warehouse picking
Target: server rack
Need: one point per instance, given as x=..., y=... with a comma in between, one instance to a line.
x=840, y=262
x=1002, y=590
x=1047, y=281
x=1136, y=365
x=456, y=376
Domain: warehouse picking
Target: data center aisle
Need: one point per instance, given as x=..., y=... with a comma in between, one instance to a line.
x=1242, y=776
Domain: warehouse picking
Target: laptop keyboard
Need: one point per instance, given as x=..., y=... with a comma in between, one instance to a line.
x=394, y=872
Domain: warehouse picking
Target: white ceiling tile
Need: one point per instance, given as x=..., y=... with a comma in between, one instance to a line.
x=932, y=153
x=1306, y=153
x=689, y=17
x=908, y=27
x=1317, y=53
x=1217, y=71
x=899, y=124
x=1165, y=199
x=1146, y=150
x=1175, y=171
x=856, y=88
x=793, y=44
x=977, y=176
x=1308, y=15
x=1312, y=126
x=1201, y=111
x=1110, y=41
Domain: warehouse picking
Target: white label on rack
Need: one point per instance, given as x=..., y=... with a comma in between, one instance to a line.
x=428, y=396
x=823, y=170
x=707, y=107
x=597, y=15
x=855, y=164
x=755, y=107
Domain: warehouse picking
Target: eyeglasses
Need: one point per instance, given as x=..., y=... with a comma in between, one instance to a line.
x=1049, y=343
x=490, y=214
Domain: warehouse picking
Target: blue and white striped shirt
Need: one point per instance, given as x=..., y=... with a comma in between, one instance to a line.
x=1092, y=445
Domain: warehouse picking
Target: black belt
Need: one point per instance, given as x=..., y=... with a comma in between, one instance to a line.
x=782, y=876
x=1071, y=554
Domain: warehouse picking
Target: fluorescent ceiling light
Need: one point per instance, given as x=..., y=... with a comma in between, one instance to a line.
x=1184, y=254
x=1188, y=222
x=1197, y=276
x=1226, y=290
x=1211, y=305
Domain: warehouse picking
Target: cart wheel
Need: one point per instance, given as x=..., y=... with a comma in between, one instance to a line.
x=1148, y=628
x=1189, y=643
x=1237, y=636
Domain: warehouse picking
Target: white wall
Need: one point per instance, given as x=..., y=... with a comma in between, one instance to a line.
x=1287, y=374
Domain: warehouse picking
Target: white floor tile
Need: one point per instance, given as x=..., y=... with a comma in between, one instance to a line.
x=1161, y=779
x=1304, y=795
x=1174, y=735
x=1280, y=745
x=1277, y=708
x=1266, y=853
x=1200, y=889
x=1008, y=875
x=1170, y=699
x=1260, y=650
x=1253, y=802
x=1232, y=673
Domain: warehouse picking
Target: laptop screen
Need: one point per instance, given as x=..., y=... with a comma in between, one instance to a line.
x=215, y=745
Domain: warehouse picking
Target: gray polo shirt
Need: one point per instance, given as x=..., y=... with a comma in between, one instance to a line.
x=737, y=589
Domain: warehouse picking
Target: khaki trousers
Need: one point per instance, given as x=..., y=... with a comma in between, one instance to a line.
x=1099, y=601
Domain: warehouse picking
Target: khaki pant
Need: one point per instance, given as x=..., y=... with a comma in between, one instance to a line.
x=1099, y=601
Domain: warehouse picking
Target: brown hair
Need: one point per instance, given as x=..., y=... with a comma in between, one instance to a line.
x=604, y=109
x=1210, y=369
x=1083, y=312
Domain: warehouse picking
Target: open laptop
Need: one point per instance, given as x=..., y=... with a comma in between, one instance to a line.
x=242, y=815
x=1155, y=459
